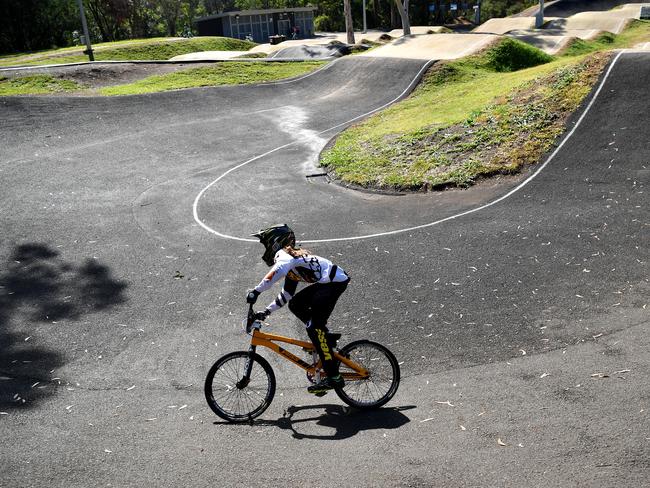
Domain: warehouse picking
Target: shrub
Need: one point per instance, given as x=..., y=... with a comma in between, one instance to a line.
x=513, y=55
x=324, y=23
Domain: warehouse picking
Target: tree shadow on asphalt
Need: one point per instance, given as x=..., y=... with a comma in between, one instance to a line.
x=345, y=421
x=38, y=286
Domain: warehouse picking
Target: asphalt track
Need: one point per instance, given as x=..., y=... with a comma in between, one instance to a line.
x=522, y=326
x=566, y=8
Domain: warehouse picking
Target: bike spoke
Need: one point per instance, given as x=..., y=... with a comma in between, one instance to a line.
x=235, y=402
x=379, y=382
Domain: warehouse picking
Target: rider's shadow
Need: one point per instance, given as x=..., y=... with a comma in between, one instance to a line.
x=345, y=421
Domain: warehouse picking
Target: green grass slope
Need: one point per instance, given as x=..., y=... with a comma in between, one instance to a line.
x=35, y=85
x=136, y=50
x=230, y=73
x=491, y=113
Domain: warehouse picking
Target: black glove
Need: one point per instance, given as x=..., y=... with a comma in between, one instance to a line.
x=251, y=296
x=261, y=316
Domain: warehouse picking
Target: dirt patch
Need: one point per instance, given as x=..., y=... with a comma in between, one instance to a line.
x=99, y=75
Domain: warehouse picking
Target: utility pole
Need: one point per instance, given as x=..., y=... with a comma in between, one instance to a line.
x=365, y=26
x=89, y=49
x=539, y=20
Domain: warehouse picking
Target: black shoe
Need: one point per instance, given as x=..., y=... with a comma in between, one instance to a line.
x=326, y=384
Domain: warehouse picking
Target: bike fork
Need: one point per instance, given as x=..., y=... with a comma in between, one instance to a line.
x=248, y=367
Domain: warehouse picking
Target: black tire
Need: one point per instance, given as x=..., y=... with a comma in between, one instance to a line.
x=383, y=381
x=231, y=402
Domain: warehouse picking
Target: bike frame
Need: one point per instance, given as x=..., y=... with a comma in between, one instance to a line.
x=269, y=341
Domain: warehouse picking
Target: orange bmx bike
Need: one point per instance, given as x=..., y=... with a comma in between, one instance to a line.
x=240, y=385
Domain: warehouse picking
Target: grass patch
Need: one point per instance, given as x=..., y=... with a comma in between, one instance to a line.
x=35, y=85
x=227, y=73
x=637, y=31
x=135, y=50
x=477, y=116
x=455, y=147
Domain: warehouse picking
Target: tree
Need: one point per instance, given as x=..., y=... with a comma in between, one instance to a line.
x=170, y=10
x=403, y=9
x=349, y=26
x=190, y=10
x=140, y=19
x=31, y=25
x=110, y=18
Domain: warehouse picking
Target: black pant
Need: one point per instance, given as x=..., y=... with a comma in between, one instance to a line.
x=313, y=306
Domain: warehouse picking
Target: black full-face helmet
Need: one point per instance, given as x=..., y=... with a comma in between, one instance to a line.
x=275, y=238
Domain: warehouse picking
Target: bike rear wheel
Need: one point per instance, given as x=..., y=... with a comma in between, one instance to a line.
x=383, y=380
x=230, y=395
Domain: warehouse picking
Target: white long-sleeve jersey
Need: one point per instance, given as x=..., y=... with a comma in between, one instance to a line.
x=308, y=269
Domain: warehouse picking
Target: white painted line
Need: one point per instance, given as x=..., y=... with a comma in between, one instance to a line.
x=275, y=54
x=557, y=43
x=195, y=205
x=417, y=227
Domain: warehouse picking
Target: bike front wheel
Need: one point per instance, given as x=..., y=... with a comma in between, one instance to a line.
x=382, y=381
x=231, y=395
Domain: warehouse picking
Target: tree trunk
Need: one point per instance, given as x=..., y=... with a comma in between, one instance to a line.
x=349, y=27
x=403, y=9
x=375, y=13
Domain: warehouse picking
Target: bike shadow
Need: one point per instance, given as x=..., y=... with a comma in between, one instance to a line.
x=345, y=421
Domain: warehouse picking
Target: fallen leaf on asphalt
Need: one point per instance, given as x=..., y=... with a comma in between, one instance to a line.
x=501, y=443
x=446, y=403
